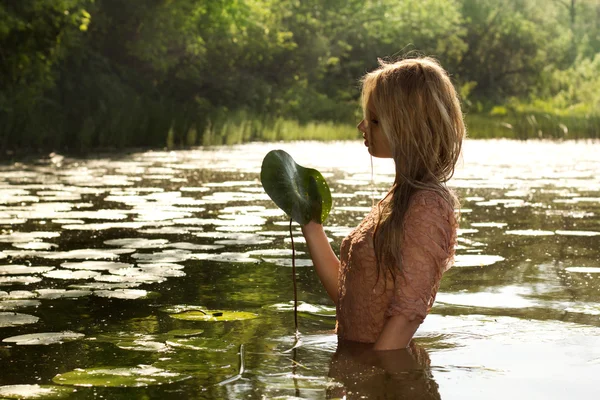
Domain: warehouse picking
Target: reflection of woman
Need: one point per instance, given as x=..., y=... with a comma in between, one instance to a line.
x=391, y=265
x=367, y=374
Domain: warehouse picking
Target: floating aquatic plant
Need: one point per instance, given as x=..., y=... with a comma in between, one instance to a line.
x=140, y=376
x=302, y=193
x=44, y=338
x=197, y=313
x=307, y=308
x=34, y=392
x=213, y=315
x=9, y=319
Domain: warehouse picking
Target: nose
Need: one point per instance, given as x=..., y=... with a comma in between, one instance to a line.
x=362, y=126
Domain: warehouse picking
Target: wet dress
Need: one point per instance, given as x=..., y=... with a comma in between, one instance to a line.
x=364, y=301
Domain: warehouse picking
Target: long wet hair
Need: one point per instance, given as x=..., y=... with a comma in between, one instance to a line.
x=420, y=115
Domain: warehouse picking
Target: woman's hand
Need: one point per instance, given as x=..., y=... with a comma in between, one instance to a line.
x=316, y=205
x=311, y=228
x=324, y=259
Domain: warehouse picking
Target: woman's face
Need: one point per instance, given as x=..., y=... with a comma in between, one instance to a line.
x=375, y=140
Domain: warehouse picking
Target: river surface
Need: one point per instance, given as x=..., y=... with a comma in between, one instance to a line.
x=159, y=275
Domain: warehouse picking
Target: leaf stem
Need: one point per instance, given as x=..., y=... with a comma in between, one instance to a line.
x=240, y=371
x=294, y=278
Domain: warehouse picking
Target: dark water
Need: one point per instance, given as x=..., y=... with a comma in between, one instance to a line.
x=103, y=257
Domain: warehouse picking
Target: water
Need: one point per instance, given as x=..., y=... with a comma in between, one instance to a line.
x=104, y=260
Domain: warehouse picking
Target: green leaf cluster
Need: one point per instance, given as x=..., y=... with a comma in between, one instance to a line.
x=83, y=74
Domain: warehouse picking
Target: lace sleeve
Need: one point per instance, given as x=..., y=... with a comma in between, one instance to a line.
x=427, y=252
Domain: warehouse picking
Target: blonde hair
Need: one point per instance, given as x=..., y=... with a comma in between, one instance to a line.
x=420, y=115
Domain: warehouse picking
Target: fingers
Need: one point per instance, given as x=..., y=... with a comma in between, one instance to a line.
x=315, y=200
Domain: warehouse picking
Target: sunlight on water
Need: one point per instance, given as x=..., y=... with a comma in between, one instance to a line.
x=95, y=250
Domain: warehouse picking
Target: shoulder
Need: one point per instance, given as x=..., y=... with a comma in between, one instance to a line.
x=430, y=215
x=431, y=203
x=430, y=224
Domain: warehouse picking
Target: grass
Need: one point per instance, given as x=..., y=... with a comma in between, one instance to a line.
x=240, y=128
x=521, y=126
x=533, y=125
x=144, y=124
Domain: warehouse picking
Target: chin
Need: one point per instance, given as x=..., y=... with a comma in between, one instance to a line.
x=378, y=154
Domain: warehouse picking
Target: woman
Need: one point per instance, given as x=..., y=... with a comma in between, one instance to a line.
x=391, y=265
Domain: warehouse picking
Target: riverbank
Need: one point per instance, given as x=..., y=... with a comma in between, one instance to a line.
x=238, y=128
x=507, y=125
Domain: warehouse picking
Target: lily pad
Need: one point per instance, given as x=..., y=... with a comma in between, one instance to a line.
x=7, y=305
x=70, y=274
x=18, y=280
x=116, y=337
x=8, y=319
x=14, y=269
x=212, y=315
x=125, y=294
x=86, y=254
x=226, y=257
x=44, y=338
x=301, y=192
x=165, y=256
x=34, y=392
x=200, y=343
x=144, y=278
x=193, y=246
x=312, y=309
x=137, y=243
x=185, y=333
x=140, y=376
x=143, y=345
x=134, y=341
x=18, y=295
x=476, y=260
x=178, y=308
x=35, y=246
x=287, y=262
x=95, y=265
x=273, y=252
x=61, y=293
x=105, y=285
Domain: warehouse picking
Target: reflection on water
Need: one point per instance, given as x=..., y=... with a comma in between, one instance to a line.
x=166, y=263
x=399, y=374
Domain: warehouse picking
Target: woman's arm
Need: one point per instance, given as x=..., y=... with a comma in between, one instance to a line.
x=426, y=252
x=324, y=259
x=397, y=333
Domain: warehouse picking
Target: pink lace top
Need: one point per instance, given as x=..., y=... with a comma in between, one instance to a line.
x=364, y=302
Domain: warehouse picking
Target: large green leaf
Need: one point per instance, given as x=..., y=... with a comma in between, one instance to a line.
x=301, y=192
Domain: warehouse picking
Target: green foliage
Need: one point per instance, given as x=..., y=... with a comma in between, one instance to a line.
x=83, y=74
